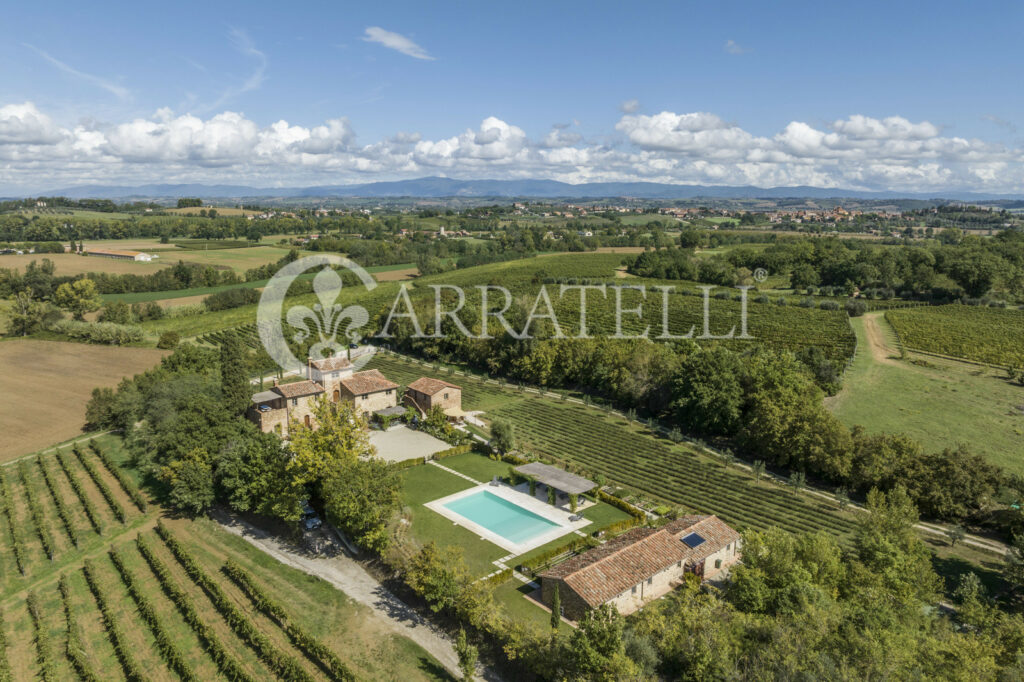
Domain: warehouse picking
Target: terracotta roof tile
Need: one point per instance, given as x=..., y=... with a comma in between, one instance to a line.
x=605, y=572
x=370, y=381
x=430, y=386
x=299, y=389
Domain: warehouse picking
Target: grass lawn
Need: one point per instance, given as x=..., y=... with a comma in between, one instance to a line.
x=427, y=482
x=940, y=403
x=511, y=595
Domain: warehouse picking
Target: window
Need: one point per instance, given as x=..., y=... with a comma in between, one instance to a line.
x=446, y=396
x=650, y=581
x=718, y=563
x=295, y=401
x=334, y=375
x=634, y=589
x=388, y=392
x=679, y=564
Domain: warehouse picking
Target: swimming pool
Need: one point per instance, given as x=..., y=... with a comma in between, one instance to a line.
x=502, y=517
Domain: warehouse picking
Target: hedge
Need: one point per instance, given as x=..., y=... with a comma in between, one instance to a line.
x=164, y=642
x=5, y=667
x=451, y=452
x=498, y=578
x=226, y=663
x=76, y=485
x=44, y=647
x=75, y=648
x=62, y=508
x=314, y=649
x=122, y=647
x=105, y=490
x=36, y=512
x=410, y=463
x=17, y=545
x=620, y=503
x=126, y=482
x=284, y=666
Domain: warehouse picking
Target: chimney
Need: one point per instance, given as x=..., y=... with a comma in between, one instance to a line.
x=275, y=381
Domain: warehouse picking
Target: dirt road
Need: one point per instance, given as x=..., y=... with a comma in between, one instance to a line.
x=349, y=577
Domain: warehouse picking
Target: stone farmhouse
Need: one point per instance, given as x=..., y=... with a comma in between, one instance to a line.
x=284, y=405
x=640, y=565
x=425, y=394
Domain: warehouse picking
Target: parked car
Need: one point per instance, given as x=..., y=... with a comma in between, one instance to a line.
x=310, y=520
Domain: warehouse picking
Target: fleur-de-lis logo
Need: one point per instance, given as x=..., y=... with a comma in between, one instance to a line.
x=329, y=323
x=326, y=317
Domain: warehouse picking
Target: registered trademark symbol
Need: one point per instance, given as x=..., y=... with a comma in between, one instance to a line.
x=760, y=274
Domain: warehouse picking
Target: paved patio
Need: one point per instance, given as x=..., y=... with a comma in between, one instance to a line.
x=402, y=443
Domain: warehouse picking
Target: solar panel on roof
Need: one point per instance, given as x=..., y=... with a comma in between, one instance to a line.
x=693, y=540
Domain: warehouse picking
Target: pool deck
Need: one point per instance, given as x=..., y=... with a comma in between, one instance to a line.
x=531, y=504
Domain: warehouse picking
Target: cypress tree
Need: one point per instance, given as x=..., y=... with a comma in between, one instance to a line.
x=556, y=609
x=234, y=382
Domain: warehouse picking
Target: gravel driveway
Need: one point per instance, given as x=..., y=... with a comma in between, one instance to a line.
x=352, y=579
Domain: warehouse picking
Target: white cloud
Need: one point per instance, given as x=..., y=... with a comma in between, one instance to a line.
x=395, y=41
x=732, y=47
x=118, y=91
x=25, y=124
x=630, y=106
x=857, y=152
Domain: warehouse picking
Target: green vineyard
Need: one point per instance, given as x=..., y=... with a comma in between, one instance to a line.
x=90, y=590
x=992, y=335
x=599, y=443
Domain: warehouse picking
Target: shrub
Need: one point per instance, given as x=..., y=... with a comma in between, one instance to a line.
x=44, y=646
x=451, y=452
x=75, y=646
x=185, y=310
x=17, y=541
x=231, y=298
x=99, y=332
x=168, y=341
x=5, y=667
x=856, y=307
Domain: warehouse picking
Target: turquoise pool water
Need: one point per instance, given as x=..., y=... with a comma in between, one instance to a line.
x=501, y=517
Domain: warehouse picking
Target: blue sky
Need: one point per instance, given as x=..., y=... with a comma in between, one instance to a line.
x=873, y=95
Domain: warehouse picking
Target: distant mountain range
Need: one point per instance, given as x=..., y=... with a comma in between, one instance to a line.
x=436, y=188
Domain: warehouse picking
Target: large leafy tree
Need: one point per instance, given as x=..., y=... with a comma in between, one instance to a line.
x=78, y=297
x=334, y=443
x=363, y=498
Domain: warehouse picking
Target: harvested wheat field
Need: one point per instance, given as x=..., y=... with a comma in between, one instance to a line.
x=73, y=264
x=46, y=385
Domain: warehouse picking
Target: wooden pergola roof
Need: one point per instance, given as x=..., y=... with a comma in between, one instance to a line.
x=556, y=478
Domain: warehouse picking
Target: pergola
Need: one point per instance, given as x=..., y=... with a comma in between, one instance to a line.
x=556, y=478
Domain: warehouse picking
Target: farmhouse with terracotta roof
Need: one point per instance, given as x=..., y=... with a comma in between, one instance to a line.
x=641, y=565
x=369, y=391
x=285, y=404
x=426, y=393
